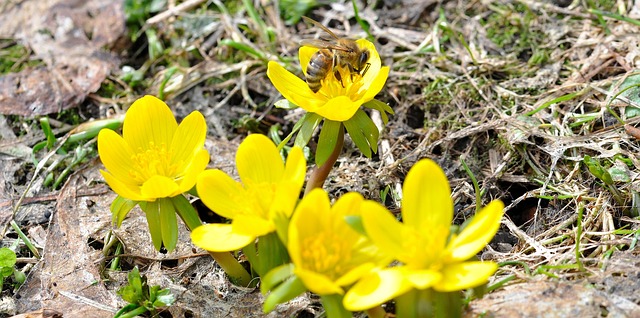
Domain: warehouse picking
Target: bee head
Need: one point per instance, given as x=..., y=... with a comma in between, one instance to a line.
x=363, y=59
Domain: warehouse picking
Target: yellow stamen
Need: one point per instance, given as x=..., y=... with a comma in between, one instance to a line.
x=155, y=160
x=324, y=252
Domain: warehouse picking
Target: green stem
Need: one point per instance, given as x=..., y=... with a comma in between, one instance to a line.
x=320, y=174
x=333, y=306
x=428, y=303
x=237, y=274
x=134, y=313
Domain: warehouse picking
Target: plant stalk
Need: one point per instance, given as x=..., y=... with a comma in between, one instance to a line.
x=320, y=174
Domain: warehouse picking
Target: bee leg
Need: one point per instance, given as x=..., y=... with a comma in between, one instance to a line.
x=336, y=73
x=366, y=68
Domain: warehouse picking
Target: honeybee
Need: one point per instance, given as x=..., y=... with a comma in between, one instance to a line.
x=341, y=52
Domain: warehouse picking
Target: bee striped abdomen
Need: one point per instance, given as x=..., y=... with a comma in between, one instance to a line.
x=319, y=66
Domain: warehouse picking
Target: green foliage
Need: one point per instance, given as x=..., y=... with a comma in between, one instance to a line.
x=12, y=57
x=141, y=297
x=138, y=11
x=7, y=262
x=293, y=10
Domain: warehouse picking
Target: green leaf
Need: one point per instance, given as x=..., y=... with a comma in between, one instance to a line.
x=152, y=212
x=380, y=107
x=332, y=304
x=120, y=207
x=286, y=291
x=327, y=140
x=619, y=174
x=285, y=104
x=164, y=300
x=275, y=277
x=187, y=213
x=243, y=47
x=168, y=223
x=368, y=128
x=132, y=293
x=7, y=257
x=355, y=222
x=6, y=271
x=19, y=277
x=597, y=170
x=363, y=132
x=310, y=122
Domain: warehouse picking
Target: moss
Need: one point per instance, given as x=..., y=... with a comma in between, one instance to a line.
x=15, y=57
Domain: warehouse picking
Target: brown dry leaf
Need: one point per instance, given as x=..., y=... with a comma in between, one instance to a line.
x=68, y=278
x=550, y=299
x=69, y=36
x=42, y=313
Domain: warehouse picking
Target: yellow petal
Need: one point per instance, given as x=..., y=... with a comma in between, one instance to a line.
x=116, y=155
x=427, y=203
x=219, y=238
x=188, y=139
x=292, y=87
x=131, y=192
x=376, y=84
x=339, y=108
x=258, y=161
x=304, y=54
x=375, y=289
x=306, y=221
x=465, y=275
x=149, y=121
x=252, y=225
x=478, y=233
x=221, y=193
x=354, y=274
x=423, y=279
x=317, y=283
x=349, y=204
x=159, y=187
x=198, y=164
x=284, y=200
x=384, y=230
x=295, y=169
x=374, y=61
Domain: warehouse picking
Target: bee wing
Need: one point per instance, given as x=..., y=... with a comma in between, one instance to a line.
x=316, y=23
x=321, y=44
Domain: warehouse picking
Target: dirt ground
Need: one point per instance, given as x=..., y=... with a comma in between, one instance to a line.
x=531, y=102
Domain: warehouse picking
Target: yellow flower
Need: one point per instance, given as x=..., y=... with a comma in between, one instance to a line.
x=268, y=193
x=327, y=253
x=336, y=100
x=430, y=256
x=155, y=157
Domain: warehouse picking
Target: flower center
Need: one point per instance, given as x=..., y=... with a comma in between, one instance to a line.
x=424, y=251
x=347, y=83
x=262, y=196
x=325, y=253
x=155, y=160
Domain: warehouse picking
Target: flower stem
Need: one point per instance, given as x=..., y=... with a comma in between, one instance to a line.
x=429, y=303
x=238, y=275
x=320, y=174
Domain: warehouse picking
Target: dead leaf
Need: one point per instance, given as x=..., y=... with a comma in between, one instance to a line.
x=69, y=36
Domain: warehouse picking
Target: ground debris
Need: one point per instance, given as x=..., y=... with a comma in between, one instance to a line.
x=69, y=36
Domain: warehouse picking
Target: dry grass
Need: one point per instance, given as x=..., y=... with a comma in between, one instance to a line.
x=521, y=91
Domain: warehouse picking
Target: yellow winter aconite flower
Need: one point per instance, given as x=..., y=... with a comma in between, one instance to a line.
x=429, y=255
x=155, y=157
x=337, y=100
x=327, y=253
x=268, y=192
